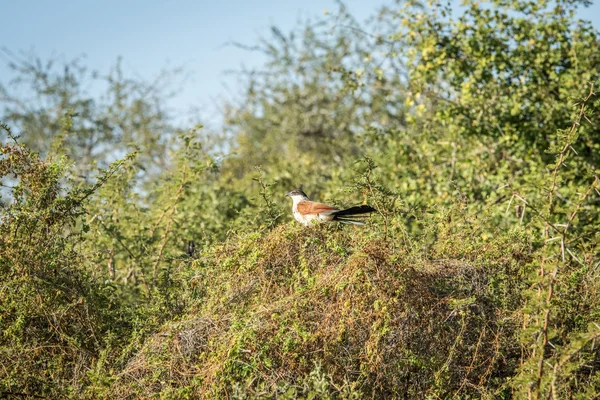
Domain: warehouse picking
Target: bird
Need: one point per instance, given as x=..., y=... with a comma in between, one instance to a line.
x=307, y=211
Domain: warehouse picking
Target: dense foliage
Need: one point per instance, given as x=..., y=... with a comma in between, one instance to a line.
x=141, y=259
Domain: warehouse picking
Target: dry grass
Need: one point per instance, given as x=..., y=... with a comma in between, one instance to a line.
x=378, y=321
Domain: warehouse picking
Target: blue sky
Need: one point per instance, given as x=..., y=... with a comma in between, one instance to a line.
x=157, y=34
x=153, y=34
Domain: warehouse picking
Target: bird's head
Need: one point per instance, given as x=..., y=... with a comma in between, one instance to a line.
x=297, y=193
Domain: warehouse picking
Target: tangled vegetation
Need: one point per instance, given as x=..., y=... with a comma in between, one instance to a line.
x=145, y=260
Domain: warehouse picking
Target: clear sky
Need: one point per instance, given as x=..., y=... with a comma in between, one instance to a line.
x=153, y=34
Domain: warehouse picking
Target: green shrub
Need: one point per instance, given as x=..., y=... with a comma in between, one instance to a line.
x=474, y=135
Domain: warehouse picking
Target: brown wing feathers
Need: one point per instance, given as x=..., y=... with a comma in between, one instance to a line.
x=312, y=207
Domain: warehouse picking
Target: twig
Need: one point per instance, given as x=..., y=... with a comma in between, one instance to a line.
x=546, y=318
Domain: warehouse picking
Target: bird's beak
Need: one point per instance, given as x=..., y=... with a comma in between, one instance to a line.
x=288, y=194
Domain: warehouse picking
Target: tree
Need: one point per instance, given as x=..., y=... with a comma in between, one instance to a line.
x=316, y=92
x=510, y=70
x=52, y=105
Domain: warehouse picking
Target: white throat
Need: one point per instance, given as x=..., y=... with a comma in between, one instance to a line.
x=297, y=198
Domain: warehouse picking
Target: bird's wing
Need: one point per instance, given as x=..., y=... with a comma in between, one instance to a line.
x=312, y=207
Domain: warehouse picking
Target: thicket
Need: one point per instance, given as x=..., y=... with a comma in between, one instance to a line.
x=141, y=259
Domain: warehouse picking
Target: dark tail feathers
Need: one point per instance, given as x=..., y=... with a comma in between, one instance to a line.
x=364, y=209
x=342, y=215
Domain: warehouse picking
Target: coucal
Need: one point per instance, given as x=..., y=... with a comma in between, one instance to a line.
x=307, y=211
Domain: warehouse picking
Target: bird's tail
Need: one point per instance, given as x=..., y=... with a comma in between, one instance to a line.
x=354, y=212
